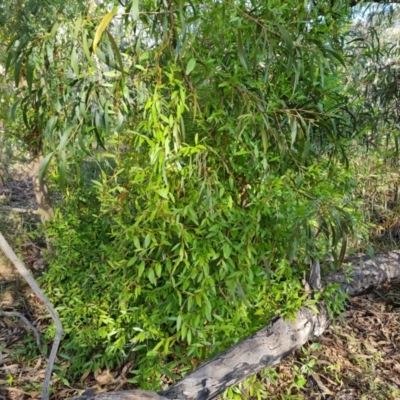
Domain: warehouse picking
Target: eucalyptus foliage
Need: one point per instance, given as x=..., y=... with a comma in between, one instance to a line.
x=220, y=132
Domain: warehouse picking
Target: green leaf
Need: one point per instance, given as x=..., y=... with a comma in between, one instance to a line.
x=190, y=66
x=178, y=322
x=54, y=29
x=135, y=10
x=151, y=276
x=14, y=109
x=116, y=51
x=29, y=72
x=62, y=168
x=147, y=241
x=241, y=52
x=101, y=28
x=293, y=128
x=74, y=61
x=44, y=165
x=141, y=269
x=131, y=261
x=51, y=124
x=64, y=138
x=136, y=242
x=17, y=71
x=85, y=46
x=286, y=38
x=227, y=249
x=163, y=193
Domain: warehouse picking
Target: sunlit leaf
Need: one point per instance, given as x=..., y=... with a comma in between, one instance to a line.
x=190, y=66
x=101, y=28
x=44, y=165
x=135, y=10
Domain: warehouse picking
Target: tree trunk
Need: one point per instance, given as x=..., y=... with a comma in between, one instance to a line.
x=271, y=344
x=41, y=191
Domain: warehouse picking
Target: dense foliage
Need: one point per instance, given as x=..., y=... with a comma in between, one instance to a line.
x=204, y=151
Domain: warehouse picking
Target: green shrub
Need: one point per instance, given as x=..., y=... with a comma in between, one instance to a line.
x=167, y=275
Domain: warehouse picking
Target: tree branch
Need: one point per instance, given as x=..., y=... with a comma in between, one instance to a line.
x=8, y=251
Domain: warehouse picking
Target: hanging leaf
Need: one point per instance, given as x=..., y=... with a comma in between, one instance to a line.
x=17, y=71
x=74, y=61
x=116, y=52
x=85, y=45
x=54, y=29
x=29, y=73
x=135, y=10
x=241, y=52
x=101, y=28
x=44, y=165
x=14, y=109
x=190, y=66
x=286, y=38
x=293, y=128
x=64, y=138
x=62, y=168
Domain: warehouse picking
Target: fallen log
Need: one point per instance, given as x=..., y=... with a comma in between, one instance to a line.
x=271, y=344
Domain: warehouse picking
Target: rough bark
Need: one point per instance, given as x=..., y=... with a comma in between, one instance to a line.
x=355, y=2
x=365, y=273
x=41, y=191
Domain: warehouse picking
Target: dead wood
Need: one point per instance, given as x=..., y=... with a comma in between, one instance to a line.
x=365, y=273
x=8, y=251
x=273, y=343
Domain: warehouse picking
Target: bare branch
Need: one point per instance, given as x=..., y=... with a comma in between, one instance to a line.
x=8, y=251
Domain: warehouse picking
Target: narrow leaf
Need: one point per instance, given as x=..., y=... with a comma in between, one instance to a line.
x=17, y=71
x=44, y=165
x=54, y=29
x=74, y=61
x=135, y=9
x=190, y=66
x=116, y=51
x=286, y=38
x=241, y=52
x=85, y=46
x=29, y=73
x=101, y=28
x=293, y=126
x=64, y=139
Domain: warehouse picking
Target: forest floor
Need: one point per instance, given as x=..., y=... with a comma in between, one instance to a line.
x=357, y=357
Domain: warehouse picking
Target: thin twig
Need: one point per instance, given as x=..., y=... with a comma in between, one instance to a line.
x=26, y=322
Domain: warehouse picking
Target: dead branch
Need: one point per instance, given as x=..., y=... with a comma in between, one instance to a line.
x=8, y=251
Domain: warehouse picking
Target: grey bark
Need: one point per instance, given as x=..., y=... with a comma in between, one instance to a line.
x=8, y=251
x=365, y=273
